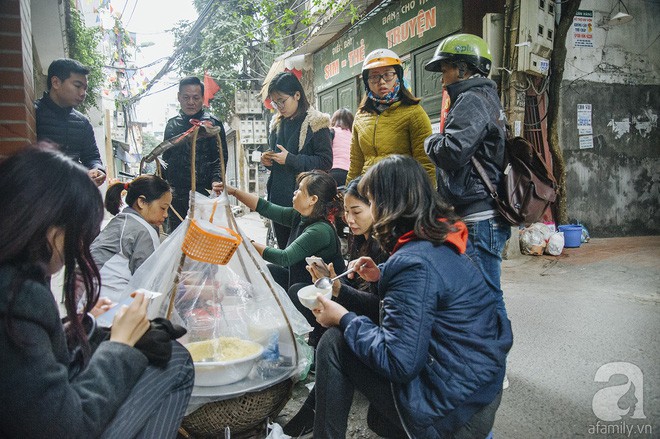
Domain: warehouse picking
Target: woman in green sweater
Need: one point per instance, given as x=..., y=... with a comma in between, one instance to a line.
x=312, y=234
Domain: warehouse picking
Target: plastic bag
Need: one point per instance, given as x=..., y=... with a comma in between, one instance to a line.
x=232, y=312
x=555, y=244
x=533, y=239
x=276, y=432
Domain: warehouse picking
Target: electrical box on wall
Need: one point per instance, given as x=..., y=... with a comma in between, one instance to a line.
x=247, y=102
x=119, y=118
x=536, y=36
x=493, y=32
x=260, y=131
x=247, y=131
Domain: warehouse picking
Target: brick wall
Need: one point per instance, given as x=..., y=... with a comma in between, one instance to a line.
x=17, y=122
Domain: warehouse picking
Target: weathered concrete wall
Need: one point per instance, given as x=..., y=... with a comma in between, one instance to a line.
x=614, y=186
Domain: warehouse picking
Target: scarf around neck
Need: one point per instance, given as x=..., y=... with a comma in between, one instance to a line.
x=390, y=97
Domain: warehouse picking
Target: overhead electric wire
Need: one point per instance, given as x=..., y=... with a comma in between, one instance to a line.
x=197, y=27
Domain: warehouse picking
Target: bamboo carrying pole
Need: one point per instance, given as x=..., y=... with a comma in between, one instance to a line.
x=193, y=180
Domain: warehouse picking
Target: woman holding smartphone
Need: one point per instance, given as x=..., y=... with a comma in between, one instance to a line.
x=355, y=294
x=299, y=142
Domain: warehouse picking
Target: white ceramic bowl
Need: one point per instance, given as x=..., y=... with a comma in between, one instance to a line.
x=307, y=295
x=220, y=373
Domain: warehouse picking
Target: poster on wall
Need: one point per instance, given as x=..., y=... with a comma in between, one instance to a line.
x=583, y=26
x=585, y=128
x=584, y=119
x=586, y=142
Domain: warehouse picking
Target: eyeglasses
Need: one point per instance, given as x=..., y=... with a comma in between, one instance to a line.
x=387, y=76
x=279, y=104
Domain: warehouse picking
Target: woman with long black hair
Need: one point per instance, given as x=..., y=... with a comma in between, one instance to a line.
x=56, y=381
x=299, y=142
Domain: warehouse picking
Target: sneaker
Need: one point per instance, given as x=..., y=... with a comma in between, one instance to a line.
x=301, y=424
x=505, y=383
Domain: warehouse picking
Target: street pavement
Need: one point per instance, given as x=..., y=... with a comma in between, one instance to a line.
x=571, y=314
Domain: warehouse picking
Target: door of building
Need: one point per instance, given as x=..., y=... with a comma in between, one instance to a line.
x=343, y=95
x=428, y=85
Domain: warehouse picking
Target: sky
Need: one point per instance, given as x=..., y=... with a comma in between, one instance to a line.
x=151, y=19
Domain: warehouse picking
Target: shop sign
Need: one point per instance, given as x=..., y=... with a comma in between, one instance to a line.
x=402, y=27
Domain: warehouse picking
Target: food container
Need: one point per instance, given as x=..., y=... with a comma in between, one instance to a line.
x=307, y=295
x=212, y=372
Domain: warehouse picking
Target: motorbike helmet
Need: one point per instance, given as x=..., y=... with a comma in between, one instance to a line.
x=468, y=48
x=381, y=58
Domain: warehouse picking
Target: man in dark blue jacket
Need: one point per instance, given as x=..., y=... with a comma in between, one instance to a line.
x=178, y=158
x=60, y=123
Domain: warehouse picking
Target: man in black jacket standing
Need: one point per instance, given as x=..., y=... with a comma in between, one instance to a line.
x=60, y=123
x=475, y=126
x=178, y=158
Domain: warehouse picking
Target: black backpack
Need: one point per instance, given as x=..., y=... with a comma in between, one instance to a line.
x=528, y=186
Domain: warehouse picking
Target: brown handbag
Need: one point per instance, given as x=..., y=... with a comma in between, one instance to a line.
x=528, y=186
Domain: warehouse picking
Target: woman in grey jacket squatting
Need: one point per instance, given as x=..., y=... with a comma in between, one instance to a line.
x=57, y=382
x=132, y=235
x=433, y=366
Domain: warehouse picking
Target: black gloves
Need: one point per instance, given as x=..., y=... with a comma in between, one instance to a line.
x=156, y=344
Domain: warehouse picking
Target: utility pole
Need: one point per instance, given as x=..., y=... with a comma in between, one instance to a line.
x=514, y=82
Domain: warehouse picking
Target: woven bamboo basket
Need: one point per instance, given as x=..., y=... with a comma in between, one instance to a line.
x=241, y=414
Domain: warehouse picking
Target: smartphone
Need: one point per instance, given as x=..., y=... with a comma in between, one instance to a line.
x=318, y=263
x=107, y=317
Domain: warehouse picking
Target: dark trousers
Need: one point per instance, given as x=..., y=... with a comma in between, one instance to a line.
x=339, y=373
x=156, y=405
x=339, y=175
x=280, y=275
x=318, y=331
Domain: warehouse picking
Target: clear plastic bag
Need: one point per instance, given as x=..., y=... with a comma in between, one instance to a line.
x=533, y=239
x=244, y=332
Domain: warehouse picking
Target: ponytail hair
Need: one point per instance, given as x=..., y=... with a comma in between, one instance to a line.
x=151, y=187
x=321, y=184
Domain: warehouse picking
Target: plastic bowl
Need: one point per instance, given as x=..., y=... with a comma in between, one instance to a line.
x=307, y=295
x=220, y=373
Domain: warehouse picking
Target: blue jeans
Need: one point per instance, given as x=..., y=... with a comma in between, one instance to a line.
x=488, y=238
